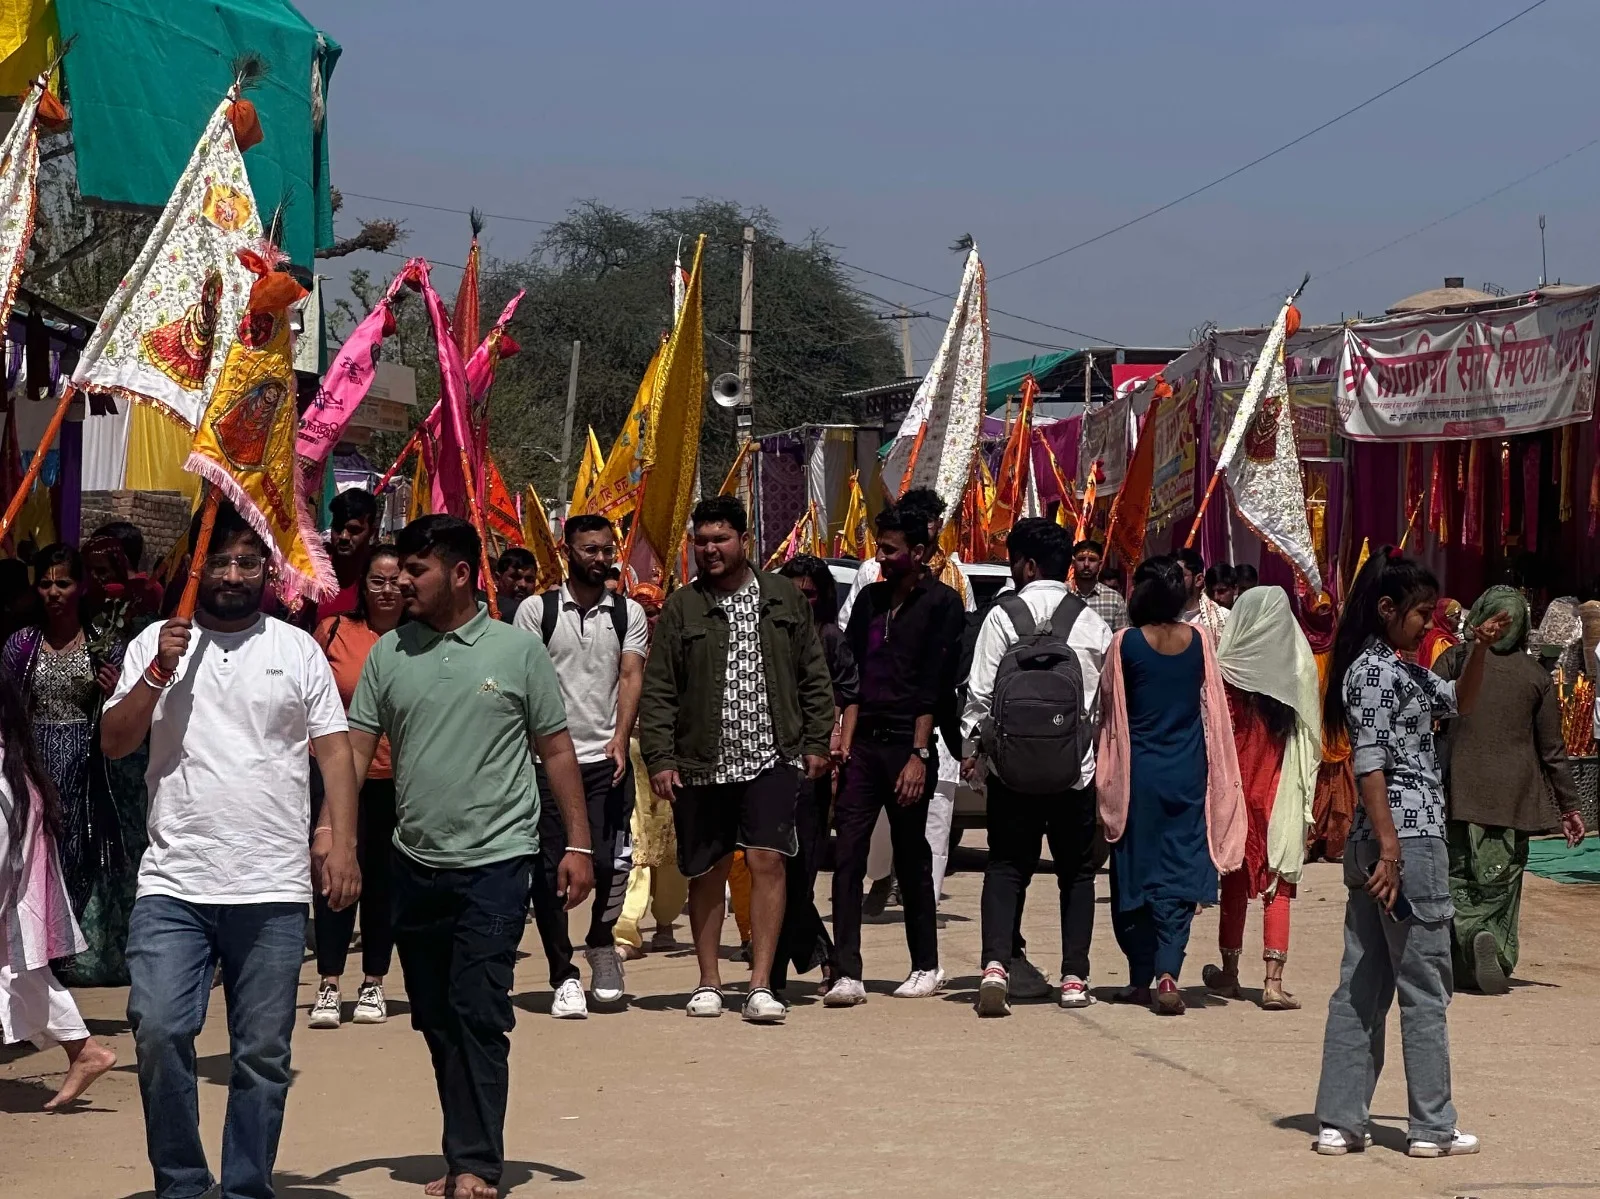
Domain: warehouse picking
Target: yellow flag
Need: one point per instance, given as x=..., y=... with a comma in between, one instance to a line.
x=672, y=438
x=588, y=474
x=616, y=490
x=421, y=489
x=538, y=538
x=1366, y=552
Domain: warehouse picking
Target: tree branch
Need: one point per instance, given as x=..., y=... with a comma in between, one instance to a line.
x=376, y=235
x=92, y=241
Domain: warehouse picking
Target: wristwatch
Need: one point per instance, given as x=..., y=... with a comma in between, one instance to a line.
x=922, y=752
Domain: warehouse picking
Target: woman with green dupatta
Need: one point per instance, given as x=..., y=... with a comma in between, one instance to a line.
x=1506, y=777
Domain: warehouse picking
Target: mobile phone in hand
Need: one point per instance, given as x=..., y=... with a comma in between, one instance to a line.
x=1402, y=905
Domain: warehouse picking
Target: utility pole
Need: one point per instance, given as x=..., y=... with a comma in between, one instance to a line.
x=908, y=365
x=747, y=308
x=566, y=426
x=1544, y=265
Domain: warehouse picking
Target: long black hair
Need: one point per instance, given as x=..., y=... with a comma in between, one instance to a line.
x=22, y=765
x=1387, y=575
x=810, y=567
x=1159, y=592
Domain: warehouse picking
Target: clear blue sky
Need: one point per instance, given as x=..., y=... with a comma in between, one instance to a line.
x=894, y=127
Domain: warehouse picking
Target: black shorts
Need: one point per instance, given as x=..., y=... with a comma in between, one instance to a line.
x=714, y=819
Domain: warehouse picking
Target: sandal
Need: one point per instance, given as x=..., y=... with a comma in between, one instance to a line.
x=705, y=1002
x=761, y=1006
x=1275, y=999
x=1169, y=1000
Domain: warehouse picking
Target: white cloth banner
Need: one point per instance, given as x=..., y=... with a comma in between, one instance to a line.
x=1485, y=374
x=1106, y=434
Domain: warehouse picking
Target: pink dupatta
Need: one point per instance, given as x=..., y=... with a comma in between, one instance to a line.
x=1225, y=810
x=38, y=924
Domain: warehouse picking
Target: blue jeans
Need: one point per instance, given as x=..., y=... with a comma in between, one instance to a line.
x=173, y=948
x=1385, y=959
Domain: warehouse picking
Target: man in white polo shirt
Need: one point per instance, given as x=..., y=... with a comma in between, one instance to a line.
x=230, y=707
x=597, y=640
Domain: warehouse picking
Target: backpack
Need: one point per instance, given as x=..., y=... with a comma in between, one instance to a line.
x=552, y=611
x=1038, y=730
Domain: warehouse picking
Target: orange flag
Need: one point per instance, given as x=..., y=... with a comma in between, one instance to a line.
x=499, y=509
x=1130, y=512
x=1011, y=481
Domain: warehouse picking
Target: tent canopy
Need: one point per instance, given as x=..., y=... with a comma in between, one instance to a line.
x=1005, y=378
x=144, y=77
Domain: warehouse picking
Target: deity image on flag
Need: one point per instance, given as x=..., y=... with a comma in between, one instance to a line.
x=181, y=349
x=165, y=332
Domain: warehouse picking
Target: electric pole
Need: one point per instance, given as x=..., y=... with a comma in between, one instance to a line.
x=908, y=365
x=566, y=426
x=1544, y=263
x=747, y=307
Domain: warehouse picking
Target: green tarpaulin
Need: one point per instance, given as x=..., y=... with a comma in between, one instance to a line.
x=1005, y=378
x=144, y=76
x=1550, y=858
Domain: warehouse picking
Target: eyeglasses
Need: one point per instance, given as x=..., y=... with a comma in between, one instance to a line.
x=249, y=565
x=379, y=583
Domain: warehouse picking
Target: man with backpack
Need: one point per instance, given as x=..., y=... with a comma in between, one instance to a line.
x=1030, y=723
x=597, y=639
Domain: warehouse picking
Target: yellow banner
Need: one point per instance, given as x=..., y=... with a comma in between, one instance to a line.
x=616, y=490
x=672, y=439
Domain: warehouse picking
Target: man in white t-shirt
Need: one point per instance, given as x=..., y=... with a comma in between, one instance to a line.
x=597, y=640
x=231, y=707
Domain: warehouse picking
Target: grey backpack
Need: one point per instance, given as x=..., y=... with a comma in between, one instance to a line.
x=1038, y=730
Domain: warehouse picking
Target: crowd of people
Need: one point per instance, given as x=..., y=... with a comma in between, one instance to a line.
x=179, y=794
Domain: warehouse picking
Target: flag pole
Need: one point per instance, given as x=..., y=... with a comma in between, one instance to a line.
x=1205, y=502
x=197, y=558
x=412, y=443
x=31, y=475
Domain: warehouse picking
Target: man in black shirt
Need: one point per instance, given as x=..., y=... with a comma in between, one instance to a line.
x=904, y=632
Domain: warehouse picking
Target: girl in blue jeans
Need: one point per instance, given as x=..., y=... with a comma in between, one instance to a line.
x=1397, y=917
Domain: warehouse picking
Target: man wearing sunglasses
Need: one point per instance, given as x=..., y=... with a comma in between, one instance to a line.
x=231, y=705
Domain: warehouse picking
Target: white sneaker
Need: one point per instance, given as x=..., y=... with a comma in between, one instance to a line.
x=1332, y=1142
x=705, y=1002
x=371, y=1007
x=325, y=1012
x=1075, y=992
x=845, y=992
x=761, y=1006
x=1027, y=980
x=569, y=1003
x=993, y=991
x=605, y=974
x=1460, y=1143
x=920, y=984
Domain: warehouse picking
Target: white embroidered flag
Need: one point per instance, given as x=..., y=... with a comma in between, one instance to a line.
x=19, y=195
x=939, y=435
x=167, y=328
x=1263, y=460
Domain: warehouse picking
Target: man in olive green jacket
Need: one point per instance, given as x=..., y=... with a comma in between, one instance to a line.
x=737, y=707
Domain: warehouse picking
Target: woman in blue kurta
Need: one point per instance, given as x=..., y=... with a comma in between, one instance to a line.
x=1161, y=867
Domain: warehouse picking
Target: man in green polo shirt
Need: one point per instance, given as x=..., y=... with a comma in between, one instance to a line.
x=465, y=702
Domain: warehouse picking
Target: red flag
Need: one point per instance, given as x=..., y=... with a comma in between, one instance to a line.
x=1011, y=481
x=1130, y=512
x=499, y=509
x=465, y=318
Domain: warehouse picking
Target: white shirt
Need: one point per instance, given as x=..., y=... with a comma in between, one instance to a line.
x=1090, y=639
x=230, y=769
x=588, y=661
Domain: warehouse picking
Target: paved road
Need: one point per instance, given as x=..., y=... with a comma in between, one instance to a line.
x=901, y=1098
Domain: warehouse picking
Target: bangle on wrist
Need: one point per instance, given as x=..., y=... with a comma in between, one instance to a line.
x=580, y=849
x=322, y=828
x=158, y=678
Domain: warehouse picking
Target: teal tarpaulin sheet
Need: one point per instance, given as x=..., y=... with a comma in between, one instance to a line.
x=144, y=76
x=1005, y=378
x=1552, y=859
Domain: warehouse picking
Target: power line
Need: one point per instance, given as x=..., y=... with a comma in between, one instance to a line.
x=1254, y=162
x=950, y=295
x=1450, y=216
x=499, y=216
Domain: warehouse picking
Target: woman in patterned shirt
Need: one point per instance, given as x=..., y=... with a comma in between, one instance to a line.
x=1396, y=867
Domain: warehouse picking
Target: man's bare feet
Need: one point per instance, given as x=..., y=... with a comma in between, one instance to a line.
x=470, y=1186
x=436, y=1187
x=88, y=1061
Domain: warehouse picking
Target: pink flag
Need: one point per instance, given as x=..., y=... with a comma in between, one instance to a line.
x=323, y=424
x=455, y=428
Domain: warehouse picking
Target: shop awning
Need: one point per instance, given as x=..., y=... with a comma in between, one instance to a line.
x=144, y=76
x=1005, y=378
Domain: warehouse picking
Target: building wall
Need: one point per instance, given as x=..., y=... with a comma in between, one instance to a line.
x=163, y=517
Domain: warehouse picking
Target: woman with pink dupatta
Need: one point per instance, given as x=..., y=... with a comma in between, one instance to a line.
x=1168, y=780
x=36, y=921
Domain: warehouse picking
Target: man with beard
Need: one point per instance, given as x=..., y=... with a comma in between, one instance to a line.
x=462, y=698
x=1087, y=559
x=597, y=639
x=738, y=704
x=904, y=633
x=231, y=704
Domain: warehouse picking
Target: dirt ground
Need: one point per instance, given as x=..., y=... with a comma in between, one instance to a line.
x=915, y=1098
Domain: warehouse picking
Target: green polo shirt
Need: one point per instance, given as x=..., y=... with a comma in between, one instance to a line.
x=458, y=709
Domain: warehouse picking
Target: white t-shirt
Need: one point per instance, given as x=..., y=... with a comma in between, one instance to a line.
x=229, y=776
x=588, y=661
